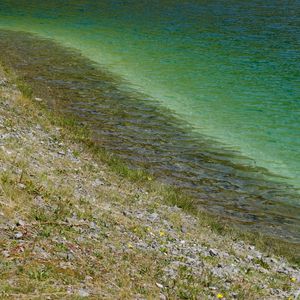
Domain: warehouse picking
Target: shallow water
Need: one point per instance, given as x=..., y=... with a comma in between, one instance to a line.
x=148, y=135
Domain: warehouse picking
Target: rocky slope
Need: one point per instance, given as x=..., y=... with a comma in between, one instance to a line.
x=71, y=227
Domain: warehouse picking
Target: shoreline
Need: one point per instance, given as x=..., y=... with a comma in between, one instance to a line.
x=214, y=178
x=76, y=222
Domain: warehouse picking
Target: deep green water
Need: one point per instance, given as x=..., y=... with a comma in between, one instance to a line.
x=225, y=72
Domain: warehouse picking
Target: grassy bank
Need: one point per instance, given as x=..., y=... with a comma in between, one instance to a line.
x=73, y=131
x=77, y=222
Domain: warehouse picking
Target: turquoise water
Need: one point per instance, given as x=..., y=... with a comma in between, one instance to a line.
x=229, y=70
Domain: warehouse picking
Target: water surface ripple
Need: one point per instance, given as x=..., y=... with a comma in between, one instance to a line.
x=148, y=135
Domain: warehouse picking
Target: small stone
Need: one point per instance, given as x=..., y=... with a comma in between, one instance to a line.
x=97, y=182
x=273, y=260
x=153, y=217
x=88, y=278
x=93, y=225
x=70, y=256
x=3, y=82
x=5, y=253
x=159, y=285
x=83, y=293
x=20, y=223
x=39, y=201
x=162, y=297
x=18, y=235
x=212, y=252
x=21, y=186
x=183, y=229
x=258, y=255
x=41, y=252
x=282, y=270
x=38, y=99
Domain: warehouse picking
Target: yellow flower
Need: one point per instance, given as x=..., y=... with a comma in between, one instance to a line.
x=129, y=245
x=220, y=296
x=293, y=279
x=161, y=233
